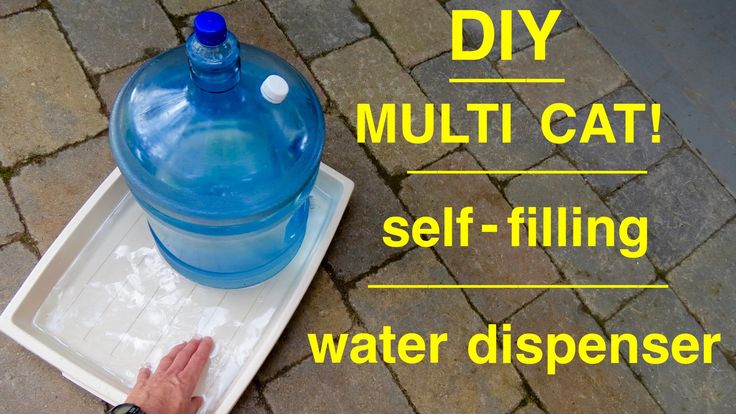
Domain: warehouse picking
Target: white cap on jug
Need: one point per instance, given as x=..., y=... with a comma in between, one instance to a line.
x=275, y=89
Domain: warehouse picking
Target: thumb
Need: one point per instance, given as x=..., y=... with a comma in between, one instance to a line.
x=195, y=404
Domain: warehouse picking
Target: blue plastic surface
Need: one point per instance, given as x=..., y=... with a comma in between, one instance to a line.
x=210, y=28
x=223, y=173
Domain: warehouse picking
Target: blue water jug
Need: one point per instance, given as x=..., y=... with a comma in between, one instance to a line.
x=220, y=143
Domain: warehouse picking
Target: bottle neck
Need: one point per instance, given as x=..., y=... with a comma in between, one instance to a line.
x=214, y=68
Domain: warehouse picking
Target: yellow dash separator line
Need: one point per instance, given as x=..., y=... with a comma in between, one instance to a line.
x=447, y=286
x=507, y=80
x=526, y=172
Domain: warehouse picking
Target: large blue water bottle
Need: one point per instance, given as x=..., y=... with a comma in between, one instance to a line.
x=220, y=143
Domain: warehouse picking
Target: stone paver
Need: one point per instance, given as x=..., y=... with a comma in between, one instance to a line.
x=30, y=385
x=599, y=155
x=489, y=258
x=521, y=38
x=694, y=388
x=41, y=110
x=357, y=246
x=110, y=84
x=461, y=383
x=574, y=55
x=250, y=402
x=527, y=146
x=577, y=387
x=184, y=7
x=318, y=26
x=320, y=312
x=9, y=220
x=366, y=72
x=27, y=384
x=13, y=6
x=51, y=192
x=336, y=388
x=251, y=23
x=705, y=282
x=415, y=29
x=584, y=265
x=16, y=262
x=683, y=202
x=122, y=32
x=47, y=111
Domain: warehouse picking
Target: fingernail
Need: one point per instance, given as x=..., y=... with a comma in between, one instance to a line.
x=197, y=337
x=147, y=365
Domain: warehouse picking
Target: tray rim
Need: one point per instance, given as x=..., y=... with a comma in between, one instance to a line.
x=115, y=395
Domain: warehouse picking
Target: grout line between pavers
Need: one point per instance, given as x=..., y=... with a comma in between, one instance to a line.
x=186, y=16
x=14, y=238
x=37, y=159
x=730, y=359
x=601, y=324
x=280, y=373
x=494, y=65
x=344, y=295
x=25, y=237
x=344, y=288
x=692, y=147
x=351, y=284
x=530, y=393
x=638, y=377
x=91, y=81
x=177, y=22
x=624, y=303
x=309, y=60
x=602, y=327
x=15, y=13
x=261, y=397
x=607, y=198
x=283, y=370
x=307, y=63
x=357, y=321
x=661, y=272
x=374, y=33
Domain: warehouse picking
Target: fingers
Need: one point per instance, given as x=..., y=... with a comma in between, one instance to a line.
x=195, y=404
x=167, y=360
x=143, y=375
x=193, y=370
x=183, y=357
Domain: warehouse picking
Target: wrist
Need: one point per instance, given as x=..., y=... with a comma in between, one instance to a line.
x=126, y=408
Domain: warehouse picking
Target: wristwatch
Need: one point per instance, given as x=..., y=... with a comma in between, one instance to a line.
x=126, y=408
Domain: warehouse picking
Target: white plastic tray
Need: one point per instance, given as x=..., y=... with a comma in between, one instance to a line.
x=102, y=302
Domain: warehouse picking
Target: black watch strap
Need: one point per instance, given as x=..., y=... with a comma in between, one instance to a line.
x=126, y=408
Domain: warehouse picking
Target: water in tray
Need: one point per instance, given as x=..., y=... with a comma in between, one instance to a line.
x=120, y=305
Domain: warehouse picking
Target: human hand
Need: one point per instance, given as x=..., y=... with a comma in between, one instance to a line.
x=169, y=390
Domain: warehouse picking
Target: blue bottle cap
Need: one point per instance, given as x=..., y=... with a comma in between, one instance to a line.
x=210, y=28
